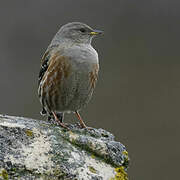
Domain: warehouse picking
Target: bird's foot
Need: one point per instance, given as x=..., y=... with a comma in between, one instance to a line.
x=63, y=125
x=58, y=121
x=83, y=126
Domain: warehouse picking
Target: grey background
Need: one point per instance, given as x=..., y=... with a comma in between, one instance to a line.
x=138, y=93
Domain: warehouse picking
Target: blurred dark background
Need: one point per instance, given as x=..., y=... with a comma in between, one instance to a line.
x=138, y=93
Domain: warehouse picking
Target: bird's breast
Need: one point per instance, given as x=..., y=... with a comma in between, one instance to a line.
x=77, y=88
x=82, y=54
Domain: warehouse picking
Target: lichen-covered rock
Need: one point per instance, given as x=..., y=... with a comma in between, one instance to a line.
x=32, y=149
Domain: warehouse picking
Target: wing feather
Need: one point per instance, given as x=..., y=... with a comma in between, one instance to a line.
x=56, y=69
x=45, y=62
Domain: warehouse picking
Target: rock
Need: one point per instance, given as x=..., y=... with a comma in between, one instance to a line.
x=33, y=149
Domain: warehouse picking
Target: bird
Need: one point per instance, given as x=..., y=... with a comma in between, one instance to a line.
x=68, y=72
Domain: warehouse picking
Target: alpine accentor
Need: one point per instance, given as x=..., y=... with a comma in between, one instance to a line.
x=69, y=70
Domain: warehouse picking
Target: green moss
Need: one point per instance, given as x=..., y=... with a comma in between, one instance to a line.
x=4, y=174
x=92, y=169
x=29, y=133
x=125, y=153
x=120, y=174
x=58, y=173
x=126, y=159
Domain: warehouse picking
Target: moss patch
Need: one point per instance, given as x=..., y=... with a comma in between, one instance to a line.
x=92, y=169
x=120, y=174
x=125, y=153
x=126, y=159
x=4, y=174
x=29, y=133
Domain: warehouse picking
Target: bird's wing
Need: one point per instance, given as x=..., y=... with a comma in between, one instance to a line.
x=52, y=61
x=44, y=65
x=55, y=69
x=45, y=61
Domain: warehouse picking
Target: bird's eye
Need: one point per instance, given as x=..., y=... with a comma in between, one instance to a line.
x=82, y=30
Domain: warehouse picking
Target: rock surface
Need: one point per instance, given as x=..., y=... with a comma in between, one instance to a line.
x=33, y=149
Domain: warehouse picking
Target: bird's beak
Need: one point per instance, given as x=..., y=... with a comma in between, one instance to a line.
x=96, y=32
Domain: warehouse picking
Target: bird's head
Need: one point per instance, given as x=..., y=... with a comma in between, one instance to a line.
x=77, y=32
